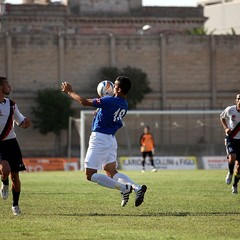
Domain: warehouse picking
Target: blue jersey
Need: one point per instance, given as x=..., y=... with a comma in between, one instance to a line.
x=108, y=118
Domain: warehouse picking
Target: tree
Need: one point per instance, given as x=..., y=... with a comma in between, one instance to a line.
x=51, y=113
x=140, y=83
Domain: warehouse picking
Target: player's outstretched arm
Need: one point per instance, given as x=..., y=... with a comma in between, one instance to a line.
x=67, y=88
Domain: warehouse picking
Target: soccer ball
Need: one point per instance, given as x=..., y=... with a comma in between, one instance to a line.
x=105, y=88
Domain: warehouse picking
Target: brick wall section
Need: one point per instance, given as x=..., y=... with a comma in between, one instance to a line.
x=191, y=61
x=228, y=64
x=34, y=62
x=35, y=65
x=84, y=56
x=2, y=55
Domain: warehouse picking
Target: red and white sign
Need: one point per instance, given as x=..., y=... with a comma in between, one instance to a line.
x=215, y=162
x=51, y=164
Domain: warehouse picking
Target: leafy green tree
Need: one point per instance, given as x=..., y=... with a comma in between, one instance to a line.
x=51, y=113
x=140, y=83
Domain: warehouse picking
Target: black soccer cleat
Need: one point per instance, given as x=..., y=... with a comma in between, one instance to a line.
x=140, y=195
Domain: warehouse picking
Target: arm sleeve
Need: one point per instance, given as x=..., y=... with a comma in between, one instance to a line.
x=101, y=102
x=224, y=114
x=17, y=116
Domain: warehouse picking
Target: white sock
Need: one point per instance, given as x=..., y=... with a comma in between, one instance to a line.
x=124, y=179
x=108, y=182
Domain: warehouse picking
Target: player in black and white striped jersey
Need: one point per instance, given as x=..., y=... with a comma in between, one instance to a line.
x=230, y=120
x=10, y=154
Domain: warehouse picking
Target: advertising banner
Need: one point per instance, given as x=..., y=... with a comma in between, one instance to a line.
x=215, y=162
x=161, y=163
x=51, y=164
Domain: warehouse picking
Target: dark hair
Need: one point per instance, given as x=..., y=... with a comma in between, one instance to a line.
x=2, y=79
x=124, y=84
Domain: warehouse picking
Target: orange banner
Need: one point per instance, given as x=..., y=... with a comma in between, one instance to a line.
x=51, y=164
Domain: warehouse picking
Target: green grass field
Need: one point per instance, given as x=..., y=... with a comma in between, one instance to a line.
x=178, y=205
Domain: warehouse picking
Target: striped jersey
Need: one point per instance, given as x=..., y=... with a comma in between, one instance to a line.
x=232, y=117
x=4, y=114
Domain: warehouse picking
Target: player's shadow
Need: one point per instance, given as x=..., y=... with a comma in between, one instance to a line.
x=160, y=214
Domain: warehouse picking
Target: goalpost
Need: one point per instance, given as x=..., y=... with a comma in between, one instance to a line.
x=72, y=120
x=175, y=132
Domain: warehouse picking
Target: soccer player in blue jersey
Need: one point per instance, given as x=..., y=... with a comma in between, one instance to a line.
x=102, y=149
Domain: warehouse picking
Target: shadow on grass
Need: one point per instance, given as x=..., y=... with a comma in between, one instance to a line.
x=160, y=214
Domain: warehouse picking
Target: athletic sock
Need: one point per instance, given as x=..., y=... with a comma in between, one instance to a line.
x=15, y=197
x=5, y=182
x=143, y=164
x=124, y=179
x=108, y=182
x=152, y=163
x=231, y=167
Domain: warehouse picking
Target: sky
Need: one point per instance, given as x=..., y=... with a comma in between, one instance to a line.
x=190, y=3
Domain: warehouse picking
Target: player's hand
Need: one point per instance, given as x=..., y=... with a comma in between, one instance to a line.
x=66, y=87
x=227, y=131
x=25, y=123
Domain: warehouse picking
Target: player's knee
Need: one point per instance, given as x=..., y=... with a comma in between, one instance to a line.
x=5, y=169
x=89, y=173
x=16, y=184
x=5, y=173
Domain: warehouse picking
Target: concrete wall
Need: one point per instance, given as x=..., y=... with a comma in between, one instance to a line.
x=223, y=16
x=185, y=72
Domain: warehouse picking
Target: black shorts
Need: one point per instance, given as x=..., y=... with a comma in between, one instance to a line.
x=233, y=146
x=10, y=151
x=144, y=154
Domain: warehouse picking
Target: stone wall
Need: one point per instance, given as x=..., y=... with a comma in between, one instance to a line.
x=185, y=72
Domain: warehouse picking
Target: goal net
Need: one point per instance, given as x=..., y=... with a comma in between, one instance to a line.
x=176, y=133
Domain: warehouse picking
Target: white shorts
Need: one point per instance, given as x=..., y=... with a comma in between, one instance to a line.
x=102, y=150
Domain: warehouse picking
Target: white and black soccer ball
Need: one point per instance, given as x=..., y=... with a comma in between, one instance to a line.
x=105, y=88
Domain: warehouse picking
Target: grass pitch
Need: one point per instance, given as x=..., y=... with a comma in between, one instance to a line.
x=178, y=205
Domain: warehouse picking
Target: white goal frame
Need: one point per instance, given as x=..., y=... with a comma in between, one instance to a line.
x=83, y=114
